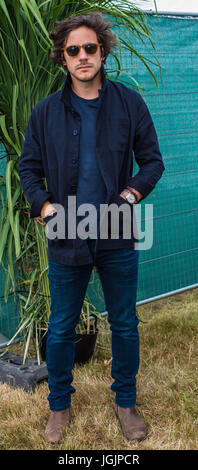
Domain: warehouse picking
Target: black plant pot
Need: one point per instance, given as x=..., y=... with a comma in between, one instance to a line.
x=84, y=347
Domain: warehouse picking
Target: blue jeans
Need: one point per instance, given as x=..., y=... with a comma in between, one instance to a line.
x=118, y=271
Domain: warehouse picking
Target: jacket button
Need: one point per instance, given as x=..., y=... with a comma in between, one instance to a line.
x=75, y=131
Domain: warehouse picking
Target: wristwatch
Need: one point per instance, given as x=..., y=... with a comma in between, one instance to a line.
x=131, y=198
x=129, y=195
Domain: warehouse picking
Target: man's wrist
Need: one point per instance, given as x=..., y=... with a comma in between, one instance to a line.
x=136, y=193
x=131, y=195
x=131, y=190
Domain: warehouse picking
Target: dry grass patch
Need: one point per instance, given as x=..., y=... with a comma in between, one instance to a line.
x=167, y=389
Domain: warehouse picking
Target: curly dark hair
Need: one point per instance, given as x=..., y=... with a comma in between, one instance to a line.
x=93, y=20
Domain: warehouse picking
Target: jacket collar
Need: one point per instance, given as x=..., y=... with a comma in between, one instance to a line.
x=65, y=92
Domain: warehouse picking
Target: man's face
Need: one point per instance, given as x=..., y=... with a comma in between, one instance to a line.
x=79, y=36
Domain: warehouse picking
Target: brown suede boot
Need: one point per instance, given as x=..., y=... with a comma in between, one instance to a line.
x=132, y=424
x=58, y=420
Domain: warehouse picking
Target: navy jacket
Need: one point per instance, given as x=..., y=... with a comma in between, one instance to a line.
x=51, y=151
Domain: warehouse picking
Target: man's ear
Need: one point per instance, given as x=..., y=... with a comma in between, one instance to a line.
x=63, y=59
x=102, y=53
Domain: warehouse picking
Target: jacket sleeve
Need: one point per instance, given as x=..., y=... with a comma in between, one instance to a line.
x=30, y=168
x=146, y=151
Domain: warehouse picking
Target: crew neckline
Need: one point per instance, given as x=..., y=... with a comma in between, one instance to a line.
x=93, y=100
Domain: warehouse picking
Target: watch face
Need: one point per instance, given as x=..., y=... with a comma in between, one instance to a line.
x=130, y=198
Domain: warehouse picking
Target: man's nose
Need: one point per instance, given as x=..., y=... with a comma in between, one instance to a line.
x=82, y=54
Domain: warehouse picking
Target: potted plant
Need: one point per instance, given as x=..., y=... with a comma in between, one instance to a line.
x=86, y=335
x=34, y=295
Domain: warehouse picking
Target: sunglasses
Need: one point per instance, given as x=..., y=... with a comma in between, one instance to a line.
x=73, y=51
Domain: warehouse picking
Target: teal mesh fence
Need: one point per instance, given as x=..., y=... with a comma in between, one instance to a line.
x=171, y=263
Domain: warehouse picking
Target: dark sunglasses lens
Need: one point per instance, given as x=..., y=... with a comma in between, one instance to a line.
x=72, y=51
x=91, y=48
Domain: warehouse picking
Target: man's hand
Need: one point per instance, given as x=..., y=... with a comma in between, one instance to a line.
x=47, y=209
x=139, y=195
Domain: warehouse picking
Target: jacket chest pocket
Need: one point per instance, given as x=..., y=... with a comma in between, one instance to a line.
x=118, y=133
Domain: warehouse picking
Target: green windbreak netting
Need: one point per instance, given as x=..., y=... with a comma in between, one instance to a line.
x=172, y=262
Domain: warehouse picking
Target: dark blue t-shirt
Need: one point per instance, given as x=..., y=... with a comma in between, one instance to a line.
x=91, y=187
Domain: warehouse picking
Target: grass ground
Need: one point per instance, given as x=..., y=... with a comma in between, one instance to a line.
x=167, y=386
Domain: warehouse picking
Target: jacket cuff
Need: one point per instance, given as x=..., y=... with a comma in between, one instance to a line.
x=37, y=204
x=143, y=188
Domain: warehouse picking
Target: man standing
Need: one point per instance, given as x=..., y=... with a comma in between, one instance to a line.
x=81, y=140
